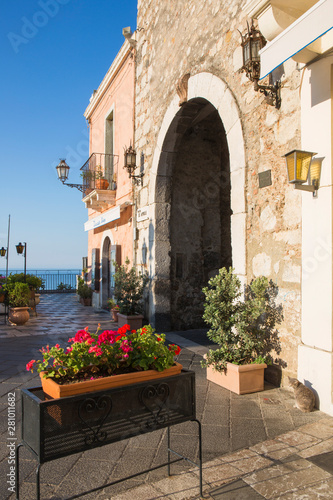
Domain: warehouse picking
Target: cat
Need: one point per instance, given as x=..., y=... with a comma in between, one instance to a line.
x=304, y=397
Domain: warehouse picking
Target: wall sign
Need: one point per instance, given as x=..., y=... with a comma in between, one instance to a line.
x=265, y=179
x=102, y=219
x=142, y=214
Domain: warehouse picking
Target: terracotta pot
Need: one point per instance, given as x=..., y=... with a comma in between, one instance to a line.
x=134, y=322
x=101, y=184
x=37, y=298
x=241, y=379
x=114, y=314
x=54, y=390
x=18, y=315
x=85, y=302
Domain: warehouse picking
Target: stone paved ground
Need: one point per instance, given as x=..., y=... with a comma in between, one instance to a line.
x=254, y=446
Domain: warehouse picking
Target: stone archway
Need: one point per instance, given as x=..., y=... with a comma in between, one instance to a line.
x=207, y=95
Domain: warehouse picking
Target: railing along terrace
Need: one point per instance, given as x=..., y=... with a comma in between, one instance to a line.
x=99, y=172
x=54, y=280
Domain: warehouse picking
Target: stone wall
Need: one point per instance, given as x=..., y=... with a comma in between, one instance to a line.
x=176, y=37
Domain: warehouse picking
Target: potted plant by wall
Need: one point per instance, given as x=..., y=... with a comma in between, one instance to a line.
x=243, y=328
x=85, y=293
x=114, y=308
x=94, y=361
x=18, y=295
x=128, y=290
x=34, y=282
x=100, y=181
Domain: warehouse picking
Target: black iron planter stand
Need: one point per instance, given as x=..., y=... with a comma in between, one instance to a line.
x=54, y=428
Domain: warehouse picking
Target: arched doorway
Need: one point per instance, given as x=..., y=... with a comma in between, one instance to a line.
x=198, y=173
x=106, y=279
x=200, y=211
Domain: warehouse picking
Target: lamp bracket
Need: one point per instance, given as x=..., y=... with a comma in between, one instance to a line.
x=271, y=92
x=77, y=186
x=137, y=179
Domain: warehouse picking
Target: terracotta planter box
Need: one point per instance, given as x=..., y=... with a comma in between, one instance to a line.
x=241, y=379
x=134, y=322
x=54, y=390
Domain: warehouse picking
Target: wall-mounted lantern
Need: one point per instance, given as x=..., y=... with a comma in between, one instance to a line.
x=130, y=165
x=252, y=42
x=302, y=167
x=3, y=251
x=63, y=171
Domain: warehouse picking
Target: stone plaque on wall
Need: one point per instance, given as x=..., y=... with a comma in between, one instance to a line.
x=265, y=179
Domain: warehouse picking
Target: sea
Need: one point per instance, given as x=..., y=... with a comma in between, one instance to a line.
x=53, y=278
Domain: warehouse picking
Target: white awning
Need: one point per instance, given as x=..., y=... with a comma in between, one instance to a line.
x=102, y=219
x=313, y=24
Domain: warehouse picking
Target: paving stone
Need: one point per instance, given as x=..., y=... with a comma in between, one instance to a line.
x=253, y=463
x=296, y=438
x=181, y=486
x=237, y=490
x=322, y=490
x=268, y=473
x=322, y=429
x=288, y=482
x=324, y=461
x=317, y=449
x=144, y=492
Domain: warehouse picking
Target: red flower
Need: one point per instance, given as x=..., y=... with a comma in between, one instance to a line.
x=107, y=337
x=97, y=350
x=119, y=337
x=30, y=365
x=176, y=349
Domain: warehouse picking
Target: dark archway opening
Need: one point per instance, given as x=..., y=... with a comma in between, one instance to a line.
x=200, y=233
x=106, y=262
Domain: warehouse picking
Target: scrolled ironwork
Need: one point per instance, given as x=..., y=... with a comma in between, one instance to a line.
x=95, y=408
x=155, y=398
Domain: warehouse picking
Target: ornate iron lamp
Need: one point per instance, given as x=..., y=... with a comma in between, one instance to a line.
x=252, y=42
x=20, y=248
x=130, y=165
x=63, y=170
x=301, y=168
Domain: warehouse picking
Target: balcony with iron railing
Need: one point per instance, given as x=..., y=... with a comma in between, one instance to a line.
x=99, y=174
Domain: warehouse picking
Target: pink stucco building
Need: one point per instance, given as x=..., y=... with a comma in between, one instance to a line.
x=110, y=115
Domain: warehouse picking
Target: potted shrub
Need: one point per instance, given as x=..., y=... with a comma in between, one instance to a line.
x=18, y=300
x=128, y=290
x=35, y=284
x=95, y=361
x=114, y=308
x=85, y=293
x=243, y=328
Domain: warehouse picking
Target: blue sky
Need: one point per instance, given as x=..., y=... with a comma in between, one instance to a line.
x=53, y=54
